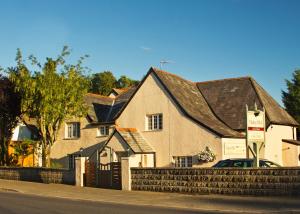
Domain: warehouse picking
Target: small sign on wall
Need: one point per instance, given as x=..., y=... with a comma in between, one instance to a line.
x=234, y=149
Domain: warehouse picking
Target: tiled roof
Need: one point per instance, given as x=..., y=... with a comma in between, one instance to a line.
x=135, y=140
x=98, y=107
x=103, y=109
x=119, y=91
x=228, y=98
x=192, y=103
x=217, y=105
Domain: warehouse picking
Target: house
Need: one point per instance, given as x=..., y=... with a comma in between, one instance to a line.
x=22, y=133
x=167, y=121
x=84, y=136
x=117, y=91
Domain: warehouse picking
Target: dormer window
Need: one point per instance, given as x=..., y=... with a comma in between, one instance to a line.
x=154, y=122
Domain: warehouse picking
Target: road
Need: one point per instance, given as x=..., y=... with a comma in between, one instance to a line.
x=19, y=203
x=27, y=197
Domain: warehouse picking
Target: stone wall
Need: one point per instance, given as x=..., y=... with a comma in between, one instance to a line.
x=230, y=181
x=42, y=175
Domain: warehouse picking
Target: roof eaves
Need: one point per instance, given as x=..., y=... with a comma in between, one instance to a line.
x=138, y=87
x=183, y=110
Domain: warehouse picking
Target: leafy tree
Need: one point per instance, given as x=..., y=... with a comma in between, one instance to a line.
x=103, y=83
x=291, y=98
x=125, y=82
x=9, y=115
x=52, y=94
x=23, y=149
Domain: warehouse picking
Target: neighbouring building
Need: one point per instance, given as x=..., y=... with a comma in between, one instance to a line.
x=85, y=136
x=22, y=133
x=168, y=121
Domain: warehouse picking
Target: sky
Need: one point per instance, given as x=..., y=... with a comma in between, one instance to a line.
x=202, y=40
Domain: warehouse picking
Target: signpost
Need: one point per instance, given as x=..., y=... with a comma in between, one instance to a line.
x=255, y=132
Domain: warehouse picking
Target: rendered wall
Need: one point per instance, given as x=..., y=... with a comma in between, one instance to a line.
x=88, y=140
x=180, y=136
x=275, y=150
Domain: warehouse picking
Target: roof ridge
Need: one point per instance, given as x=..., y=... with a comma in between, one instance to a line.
x=172, y=74
x=99, y=95
x=123, y=89
x=219, y=80
x=126, y=129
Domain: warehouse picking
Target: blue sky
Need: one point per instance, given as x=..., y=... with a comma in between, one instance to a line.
x=205, y=40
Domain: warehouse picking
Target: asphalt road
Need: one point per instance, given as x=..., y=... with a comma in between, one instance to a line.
x=19, y=203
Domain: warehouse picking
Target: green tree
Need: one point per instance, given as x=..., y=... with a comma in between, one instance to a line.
x=10, y=111
x=52, y=94
x=103, y=83
x=291, y=98
x=125, y=82
x=23, y=149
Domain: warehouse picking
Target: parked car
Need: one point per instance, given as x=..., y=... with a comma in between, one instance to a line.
x=244, y=162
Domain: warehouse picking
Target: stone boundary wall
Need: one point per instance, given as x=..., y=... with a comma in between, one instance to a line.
x=41, y=175
x=230, y=181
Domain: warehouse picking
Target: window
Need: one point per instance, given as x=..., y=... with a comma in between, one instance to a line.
x=72, y=160
x=72, y=130
x=103, y=131
x=154, y=122
x=184, y=161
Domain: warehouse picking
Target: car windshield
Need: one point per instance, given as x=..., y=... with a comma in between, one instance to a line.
x=268, y=164
x=241, y=163
x=223, y=164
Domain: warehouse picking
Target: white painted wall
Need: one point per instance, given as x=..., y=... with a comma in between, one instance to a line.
x=21, y=132
x=275, y=150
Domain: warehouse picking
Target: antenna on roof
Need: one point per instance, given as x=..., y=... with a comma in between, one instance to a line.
x=163, y=62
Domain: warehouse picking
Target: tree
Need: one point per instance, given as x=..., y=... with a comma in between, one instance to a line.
x=103, y=83
x=23, y=149
x=10, y=111
x=125, y=82
x=291, y=98
x=52, y=94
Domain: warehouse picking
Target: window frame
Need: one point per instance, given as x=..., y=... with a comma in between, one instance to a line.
x=105, y=133
x=183, y=161
x=154, y=122
x=72, y=130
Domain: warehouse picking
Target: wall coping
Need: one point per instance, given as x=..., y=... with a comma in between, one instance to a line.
x=34, y=168
x=210, y=168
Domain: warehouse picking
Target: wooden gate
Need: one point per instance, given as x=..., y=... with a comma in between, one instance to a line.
x=109, y=175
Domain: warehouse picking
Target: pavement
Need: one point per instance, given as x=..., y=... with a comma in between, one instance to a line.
x=209, y=203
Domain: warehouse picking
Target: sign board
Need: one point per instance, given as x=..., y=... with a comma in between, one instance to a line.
x=234, y=149
x=255, y=132
x=256, y=126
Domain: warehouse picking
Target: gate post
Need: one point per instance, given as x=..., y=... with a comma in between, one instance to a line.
x=79, y=171
x=126, y=173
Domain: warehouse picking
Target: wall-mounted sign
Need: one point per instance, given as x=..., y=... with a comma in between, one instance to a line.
x=235, y=149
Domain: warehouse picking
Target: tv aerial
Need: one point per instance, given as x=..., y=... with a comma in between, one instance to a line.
x=163, y=62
